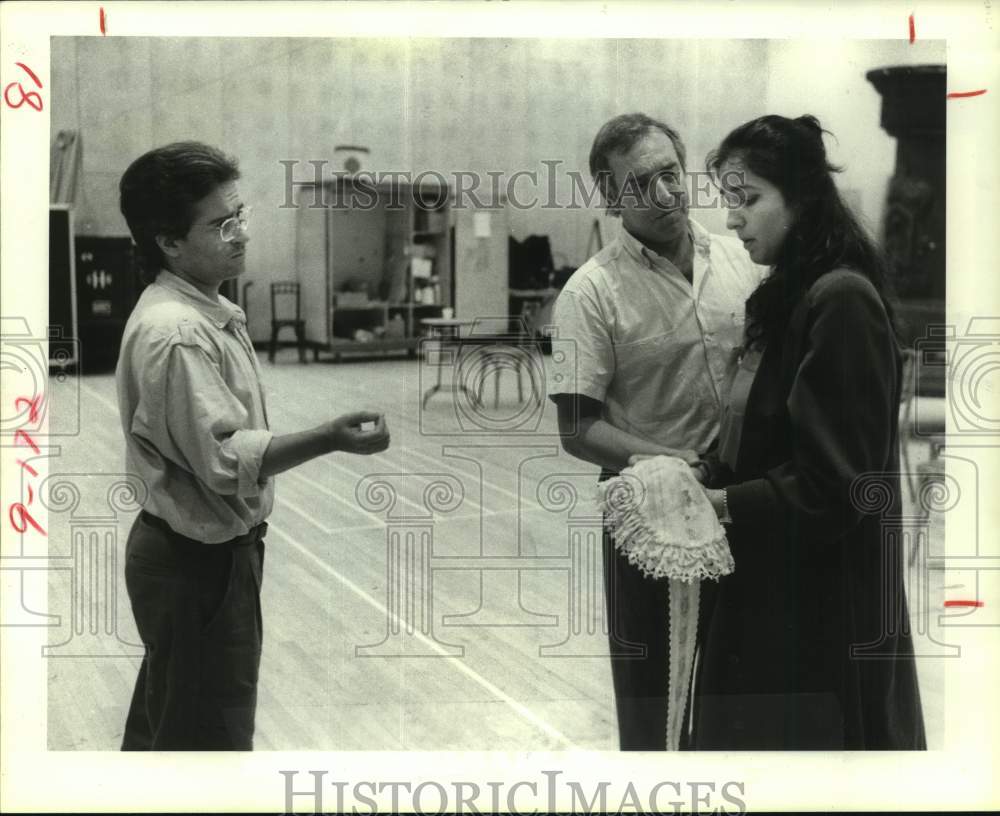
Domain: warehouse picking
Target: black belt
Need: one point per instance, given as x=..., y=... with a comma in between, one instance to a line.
x=252, y=537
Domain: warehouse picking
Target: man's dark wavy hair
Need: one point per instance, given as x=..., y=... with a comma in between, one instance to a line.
x=825, y=235
x=158, y=192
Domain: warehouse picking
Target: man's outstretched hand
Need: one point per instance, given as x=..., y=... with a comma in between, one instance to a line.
x=363, y=433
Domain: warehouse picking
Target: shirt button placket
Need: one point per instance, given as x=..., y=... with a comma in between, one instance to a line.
x=708, y=343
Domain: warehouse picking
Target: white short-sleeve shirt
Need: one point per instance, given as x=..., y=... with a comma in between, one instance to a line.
x=657, y=351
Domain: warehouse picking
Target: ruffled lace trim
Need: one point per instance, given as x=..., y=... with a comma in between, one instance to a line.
x=683, y=632
x=663, y=524
x=636, y=539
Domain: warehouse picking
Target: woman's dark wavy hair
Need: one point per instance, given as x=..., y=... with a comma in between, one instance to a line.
x=158, y=192
x=825, y=235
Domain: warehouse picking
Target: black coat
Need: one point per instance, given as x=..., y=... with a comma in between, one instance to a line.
x=811, y=578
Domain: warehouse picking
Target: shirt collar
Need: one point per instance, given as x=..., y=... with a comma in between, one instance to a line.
x=220, y=312
x=700, y=237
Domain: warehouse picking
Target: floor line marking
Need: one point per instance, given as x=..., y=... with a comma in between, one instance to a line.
x=381, y=525
x=313, y=483
x=522, y=710
x=330, y=462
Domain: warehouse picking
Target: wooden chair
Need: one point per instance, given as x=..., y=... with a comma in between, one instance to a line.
x=281, y=293
x=508, y=349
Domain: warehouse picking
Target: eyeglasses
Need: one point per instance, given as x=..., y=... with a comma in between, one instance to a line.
x=231, y=227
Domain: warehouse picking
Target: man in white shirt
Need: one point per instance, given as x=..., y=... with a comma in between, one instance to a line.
x=196, y=431
x=656, y=318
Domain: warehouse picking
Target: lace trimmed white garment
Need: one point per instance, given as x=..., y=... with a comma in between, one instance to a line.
x=664, y=524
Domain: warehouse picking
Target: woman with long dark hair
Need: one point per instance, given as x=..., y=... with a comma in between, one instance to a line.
x=807, y=645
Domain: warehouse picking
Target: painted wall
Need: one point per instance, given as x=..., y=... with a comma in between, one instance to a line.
x=476, y=105
x=827, y=80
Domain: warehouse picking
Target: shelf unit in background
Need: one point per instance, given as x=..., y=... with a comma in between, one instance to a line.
x=372, y=260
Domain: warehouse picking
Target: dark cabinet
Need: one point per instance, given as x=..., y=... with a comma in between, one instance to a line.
x=107, y=287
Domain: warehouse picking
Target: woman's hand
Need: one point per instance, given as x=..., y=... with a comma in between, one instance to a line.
x=700, y=471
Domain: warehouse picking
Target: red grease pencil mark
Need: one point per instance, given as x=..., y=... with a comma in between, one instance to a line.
x=18, y=514
x=104, y=19
x=33, y=98
x=913, y=30
x=949, y=604
x=31, y=73
x=19, y=434
x=962, y=94
x=32, y=406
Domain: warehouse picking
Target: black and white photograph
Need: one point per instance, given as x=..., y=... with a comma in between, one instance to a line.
x=464, y=417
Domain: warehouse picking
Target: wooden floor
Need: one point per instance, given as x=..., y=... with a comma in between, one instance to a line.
x=495, y=659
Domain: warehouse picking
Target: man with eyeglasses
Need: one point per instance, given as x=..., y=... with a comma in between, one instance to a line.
x=197, y=434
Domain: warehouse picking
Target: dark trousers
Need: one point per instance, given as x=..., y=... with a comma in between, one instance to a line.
x=197, y=609
x=639, y=620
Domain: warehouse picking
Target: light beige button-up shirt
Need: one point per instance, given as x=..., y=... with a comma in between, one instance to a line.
x=193, y=412
x=657, y=351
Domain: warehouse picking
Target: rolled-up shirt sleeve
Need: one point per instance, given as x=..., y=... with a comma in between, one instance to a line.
x=587, y=363
x=249, y=446
x=206, y=425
